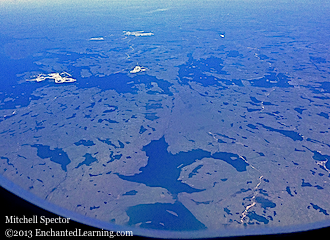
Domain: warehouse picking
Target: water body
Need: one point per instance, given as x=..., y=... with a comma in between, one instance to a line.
x=307, y=184
x=89, y=159
x=194, y=69
x=299, y=110
x=253, y=216
x=153, y=106
x=234, y=53
x=107, y=120
x=265, y=203
x=321, y=157
x=216, y=72
x=57, y=155
x=85, y=143
x=163, y=168
x=194, y=171
x=164, y=216
x=114, y=157
x=318, y=59
x=151, y=116
x=272, y=80
x=291, y=134
x=20, y=94
x=111, y=109
x=142, y=130
x=108, y=142
x=319, y=209
x=252, y=126
x=325, y=87
x=132, y=192
x=323, y=114
x=122, y=83
x=288, y=190
x=253, y=99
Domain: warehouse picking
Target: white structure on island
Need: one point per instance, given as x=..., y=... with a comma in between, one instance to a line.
x=138, y=33
x=138, y=69
x=62, y=77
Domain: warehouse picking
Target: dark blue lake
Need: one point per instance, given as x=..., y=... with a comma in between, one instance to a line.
x=164, y=216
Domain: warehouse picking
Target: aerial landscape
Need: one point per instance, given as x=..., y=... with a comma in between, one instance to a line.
x=174, y=116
